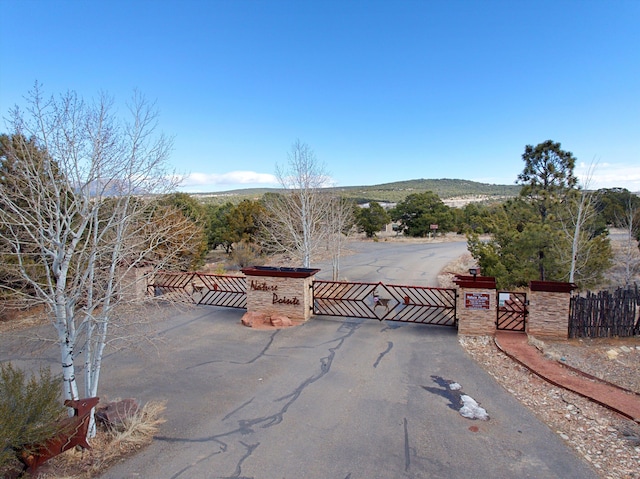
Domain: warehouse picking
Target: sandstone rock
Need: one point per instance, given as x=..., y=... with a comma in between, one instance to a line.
x=266, y=321
x=115, y=413
x=253, y=319
x=280, y=321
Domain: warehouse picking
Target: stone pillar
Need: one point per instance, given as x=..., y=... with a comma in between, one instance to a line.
x=275, y=291
x=549, y=304
x=134, y=283
x=476, y=306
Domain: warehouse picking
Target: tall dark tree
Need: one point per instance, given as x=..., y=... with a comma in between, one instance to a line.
x=188, y=240
x=548, y=232
x=372, y=219
x=546, y=180
x=613, y=204
x=511, y=255
x=243, y=221
x=17, y=154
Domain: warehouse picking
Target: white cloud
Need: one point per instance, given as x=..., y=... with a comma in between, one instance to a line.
x=603, y=175
x=230, y=178
x=610, y=175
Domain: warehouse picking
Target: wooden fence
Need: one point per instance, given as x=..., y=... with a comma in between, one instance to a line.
x=605, y=314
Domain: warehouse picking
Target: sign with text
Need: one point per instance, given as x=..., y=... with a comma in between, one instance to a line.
x=477, y=300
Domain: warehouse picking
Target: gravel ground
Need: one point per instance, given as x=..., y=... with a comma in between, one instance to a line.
x=608, y=441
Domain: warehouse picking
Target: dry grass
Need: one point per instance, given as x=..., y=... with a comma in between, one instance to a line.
x=108, y=447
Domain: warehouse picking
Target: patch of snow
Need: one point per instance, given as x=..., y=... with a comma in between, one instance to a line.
x=471, y=409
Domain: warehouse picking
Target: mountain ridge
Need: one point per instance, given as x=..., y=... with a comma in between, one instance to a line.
x=445, y=188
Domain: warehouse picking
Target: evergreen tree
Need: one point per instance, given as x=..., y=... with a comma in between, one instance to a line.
x=546, y=179
x=419, y=211
x=372, y=219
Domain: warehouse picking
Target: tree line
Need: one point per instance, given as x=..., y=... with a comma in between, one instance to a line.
x=553, y=230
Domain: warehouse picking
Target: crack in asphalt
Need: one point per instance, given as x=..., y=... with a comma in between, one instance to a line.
x=383, y=353
x=249, y=426
x=253, y=360
x=407, y=448
x=242, y=406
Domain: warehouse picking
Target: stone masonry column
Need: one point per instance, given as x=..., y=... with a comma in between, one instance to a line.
x=549, y=304
x=273, y=291
x=134, y=283
x=476, y=305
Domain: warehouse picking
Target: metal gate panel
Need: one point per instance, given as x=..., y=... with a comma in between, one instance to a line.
x=220, y=290
x=380, y=301
x=419, y=304
x=334, y=298
x=173, y=286
x=512, y=311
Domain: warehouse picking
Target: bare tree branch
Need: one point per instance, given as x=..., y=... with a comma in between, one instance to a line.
x=78, y=215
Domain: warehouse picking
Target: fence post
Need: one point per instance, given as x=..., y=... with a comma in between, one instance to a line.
x=549, y=308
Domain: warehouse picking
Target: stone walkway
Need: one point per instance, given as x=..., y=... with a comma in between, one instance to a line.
x=516, y=346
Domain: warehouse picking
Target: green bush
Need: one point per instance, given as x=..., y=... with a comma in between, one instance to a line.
x=29, y=408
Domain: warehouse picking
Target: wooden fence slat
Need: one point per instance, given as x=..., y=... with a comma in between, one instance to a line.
x=605, y=314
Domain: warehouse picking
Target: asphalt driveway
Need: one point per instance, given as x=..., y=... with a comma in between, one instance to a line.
x=328, y=399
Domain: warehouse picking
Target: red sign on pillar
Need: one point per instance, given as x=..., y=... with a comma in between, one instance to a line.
x=477, y=300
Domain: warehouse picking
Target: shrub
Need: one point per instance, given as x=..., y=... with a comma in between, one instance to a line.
x=245, y=254
x=29, y=408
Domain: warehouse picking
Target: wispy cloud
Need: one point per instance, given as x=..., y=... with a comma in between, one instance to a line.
x=593, y=176
x=610, y=175
x=230, y=178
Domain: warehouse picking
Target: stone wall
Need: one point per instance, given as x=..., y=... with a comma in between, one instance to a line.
x=548, y=314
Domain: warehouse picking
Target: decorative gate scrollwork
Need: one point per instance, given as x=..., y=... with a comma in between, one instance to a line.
x=415, y=304
x=512, y=311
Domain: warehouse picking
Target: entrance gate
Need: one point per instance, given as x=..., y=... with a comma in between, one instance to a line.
x=411, y=304
x=201, y=288
x=414, y=304
x=512, y=311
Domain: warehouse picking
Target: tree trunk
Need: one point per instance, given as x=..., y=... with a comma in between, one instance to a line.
x=68, y=368
x=575, y=245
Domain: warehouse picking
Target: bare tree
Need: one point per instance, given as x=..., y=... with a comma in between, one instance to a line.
x=340, y=223
x=296, y=221
x=80, y=218
x=631, y=225
x=583, y=253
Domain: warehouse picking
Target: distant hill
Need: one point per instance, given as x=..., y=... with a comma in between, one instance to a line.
x=446, y=189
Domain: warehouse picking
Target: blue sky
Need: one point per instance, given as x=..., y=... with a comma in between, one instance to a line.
x=382, y=91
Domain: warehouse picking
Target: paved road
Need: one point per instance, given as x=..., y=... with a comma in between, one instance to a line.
x=331, y=399
x=416, y=264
